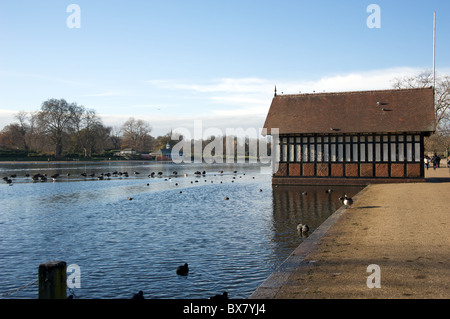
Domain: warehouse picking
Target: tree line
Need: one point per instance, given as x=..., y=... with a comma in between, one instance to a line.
x=61, y=128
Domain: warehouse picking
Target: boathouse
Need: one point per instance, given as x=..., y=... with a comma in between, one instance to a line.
x=351, y=138
x=166, y=154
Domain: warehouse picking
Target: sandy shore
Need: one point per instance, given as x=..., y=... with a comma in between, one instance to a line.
x=402, y=228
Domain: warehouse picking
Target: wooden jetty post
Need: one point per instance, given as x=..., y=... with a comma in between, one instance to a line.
x=53, y=280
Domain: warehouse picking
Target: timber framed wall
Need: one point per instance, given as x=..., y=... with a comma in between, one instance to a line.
x=317, y=158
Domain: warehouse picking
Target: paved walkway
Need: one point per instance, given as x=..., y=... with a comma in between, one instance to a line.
x=402, y=228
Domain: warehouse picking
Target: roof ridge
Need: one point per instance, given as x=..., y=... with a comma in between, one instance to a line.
x=354, y=92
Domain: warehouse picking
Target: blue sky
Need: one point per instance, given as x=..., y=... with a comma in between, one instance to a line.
x=172, y=62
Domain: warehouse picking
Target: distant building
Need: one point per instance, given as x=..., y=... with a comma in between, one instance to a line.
x=352, y=138
x=165, y=154
x=128, y=151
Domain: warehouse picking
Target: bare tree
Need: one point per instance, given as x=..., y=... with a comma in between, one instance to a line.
x=115, y=137
x=89, y=134
x=11, y=137
x=14, y=135
x=24, y=128
x=56, y=120
x=136, y=134
x=102, y=137
x=36, y=139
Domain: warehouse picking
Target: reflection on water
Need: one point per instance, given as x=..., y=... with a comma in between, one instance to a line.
x=310, y=205
x=123, y=246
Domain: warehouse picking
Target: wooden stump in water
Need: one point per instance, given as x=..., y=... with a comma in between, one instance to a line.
x=53, y=280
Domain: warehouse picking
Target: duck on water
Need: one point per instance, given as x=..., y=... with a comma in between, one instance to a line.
x=183, y=270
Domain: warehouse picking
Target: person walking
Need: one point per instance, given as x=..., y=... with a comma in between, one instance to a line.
x=434, y=161
x=426, y=161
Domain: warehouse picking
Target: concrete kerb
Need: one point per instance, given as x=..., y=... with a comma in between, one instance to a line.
x=270, y=287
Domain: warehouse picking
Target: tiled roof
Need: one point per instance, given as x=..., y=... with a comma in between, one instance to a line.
x=383, y=111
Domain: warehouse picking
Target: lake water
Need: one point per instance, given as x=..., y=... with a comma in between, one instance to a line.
x=123, y=246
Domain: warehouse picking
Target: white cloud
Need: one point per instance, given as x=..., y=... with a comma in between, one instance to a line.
x=42, y=78
x=229, y=85
x=7, y=117
x=355, y=81
x=103, y=94
x=248, y=111
x=250, y=91
x=242, y=98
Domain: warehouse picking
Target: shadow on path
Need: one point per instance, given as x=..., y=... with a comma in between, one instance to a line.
x=438, y=180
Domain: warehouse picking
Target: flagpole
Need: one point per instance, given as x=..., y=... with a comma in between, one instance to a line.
x=434, y=51
x=434, y=64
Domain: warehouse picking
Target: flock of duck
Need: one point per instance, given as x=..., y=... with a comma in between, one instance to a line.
x=43, y=178
x=39, y=177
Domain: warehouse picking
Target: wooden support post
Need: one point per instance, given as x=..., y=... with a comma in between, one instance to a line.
x=53, y=280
